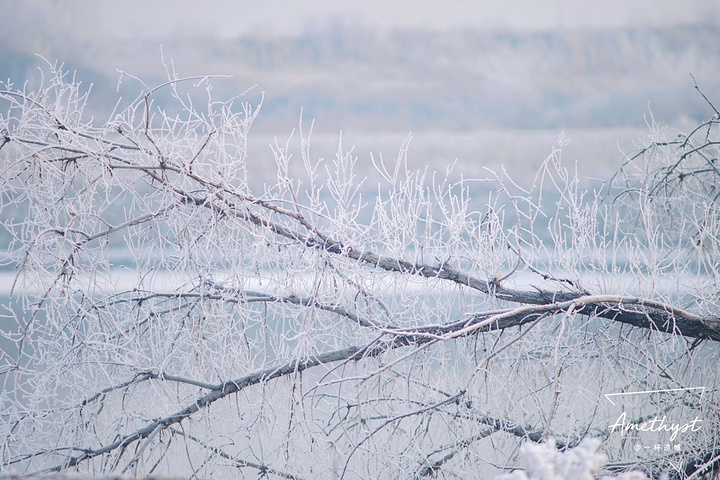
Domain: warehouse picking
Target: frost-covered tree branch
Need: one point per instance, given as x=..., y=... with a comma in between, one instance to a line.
x=177, y=306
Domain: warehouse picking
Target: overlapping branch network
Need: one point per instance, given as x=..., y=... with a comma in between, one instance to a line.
x=44, y=144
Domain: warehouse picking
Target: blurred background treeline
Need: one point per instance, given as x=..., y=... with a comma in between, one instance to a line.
x=484, y=83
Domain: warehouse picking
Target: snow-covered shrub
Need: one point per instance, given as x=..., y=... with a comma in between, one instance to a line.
x=545, y=462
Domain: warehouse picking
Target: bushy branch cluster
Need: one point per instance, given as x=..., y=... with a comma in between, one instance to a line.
x=175, y=310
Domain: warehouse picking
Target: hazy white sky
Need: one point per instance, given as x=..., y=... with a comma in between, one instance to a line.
x=226, y=18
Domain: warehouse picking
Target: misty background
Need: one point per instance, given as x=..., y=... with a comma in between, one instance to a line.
x=491, y=84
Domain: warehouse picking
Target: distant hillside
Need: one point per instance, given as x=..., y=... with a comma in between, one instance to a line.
x=419, y=79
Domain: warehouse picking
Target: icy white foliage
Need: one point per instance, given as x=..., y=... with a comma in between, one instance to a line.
x=545, y=462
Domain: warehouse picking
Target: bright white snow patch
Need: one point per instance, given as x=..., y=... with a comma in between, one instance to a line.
x=583, y=462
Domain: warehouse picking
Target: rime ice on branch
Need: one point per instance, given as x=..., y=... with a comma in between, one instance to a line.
x=170, y=313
